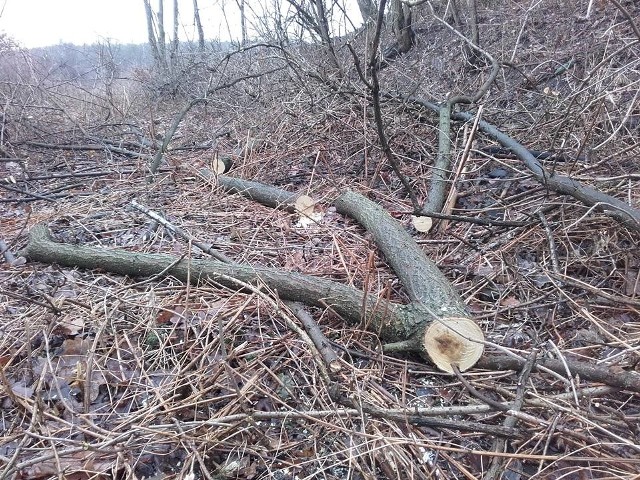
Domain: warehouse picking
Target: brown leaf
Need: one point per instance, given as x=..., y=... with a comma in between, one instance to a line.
x=81, y=463
x=164, y=317
x=510, y=302
x=76, y=346
x=21, y=390
x=73, y=326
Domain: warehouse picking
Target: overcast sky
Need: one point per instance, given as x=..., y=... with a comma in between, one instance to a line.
x=38, y=23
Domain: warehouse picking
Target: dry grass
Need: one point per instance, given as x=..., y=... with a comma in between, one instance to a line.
x=112, y=377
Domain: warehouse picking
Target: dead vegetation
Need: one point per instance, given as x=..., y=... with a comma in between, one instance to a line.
x=106, y=376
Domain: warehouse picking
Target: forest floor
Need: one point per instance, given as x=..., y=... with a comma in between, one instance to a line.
x=108, y=376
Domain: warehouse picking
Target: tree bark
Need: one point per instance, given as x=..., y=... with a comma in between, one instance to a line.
x=561, y=184
x=151, y=34
x=175, y=42
x=402, y=29
x=473, y=55
x=325, y=34
x=439, y=185
x=404, y=36
x=421, y=278
x=368, y=10
x=243, y=22
x=175, y=123
x=196, y=17
x=344, y=300
x=162, y=46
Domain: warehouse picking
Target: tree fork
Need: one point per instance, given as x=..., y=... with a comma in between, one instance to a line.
x=435, y=324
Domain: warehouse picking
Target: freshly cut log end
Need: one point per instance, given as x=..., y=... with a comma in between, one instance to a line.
x=305, y=204
x=457, y=341
x=222, y=164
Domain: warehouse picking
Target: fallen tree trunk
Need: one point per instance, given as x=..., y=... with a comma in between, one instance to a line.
x=435, y=324
x=264, y=194
x=451, y=336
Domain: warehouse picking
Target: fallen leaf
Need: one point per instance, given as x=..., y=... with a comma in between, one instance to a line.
x=82, y=463
x=21, y=390
x=510, y=302
x=75, y=346
x=307, y=220
x=484, y=270
x=73, y=326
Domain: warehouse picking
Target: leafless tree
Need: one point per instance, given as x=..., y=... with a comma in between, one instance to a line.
x=164, y=61
x=368, y=10
x=155, y=34
x=175, y=42
x=196, y=17
x=243, y=21
x=404, y=38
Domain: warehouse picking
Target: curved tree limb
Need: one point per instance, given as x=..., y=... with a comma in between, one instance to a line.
x=175, y=123
x=421, y=278
x=264, y=194
x=346, y=301
x=591, y=197
x=613, y=207
x=628, y=16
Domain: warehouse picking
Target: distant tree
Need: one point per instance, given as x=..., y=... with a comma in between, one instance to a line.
x=368, y=10
x=400, y=14
x=175, y=41
x=196, y=17
x=155, y=34
x=164, y=60
x=243, y=21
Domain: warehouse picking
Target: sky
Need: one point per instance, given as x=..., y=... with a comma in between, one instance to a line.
x=39, y=23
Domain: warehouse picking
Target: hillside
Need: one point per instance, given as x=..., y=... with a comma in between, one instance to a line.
x=123, y=356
